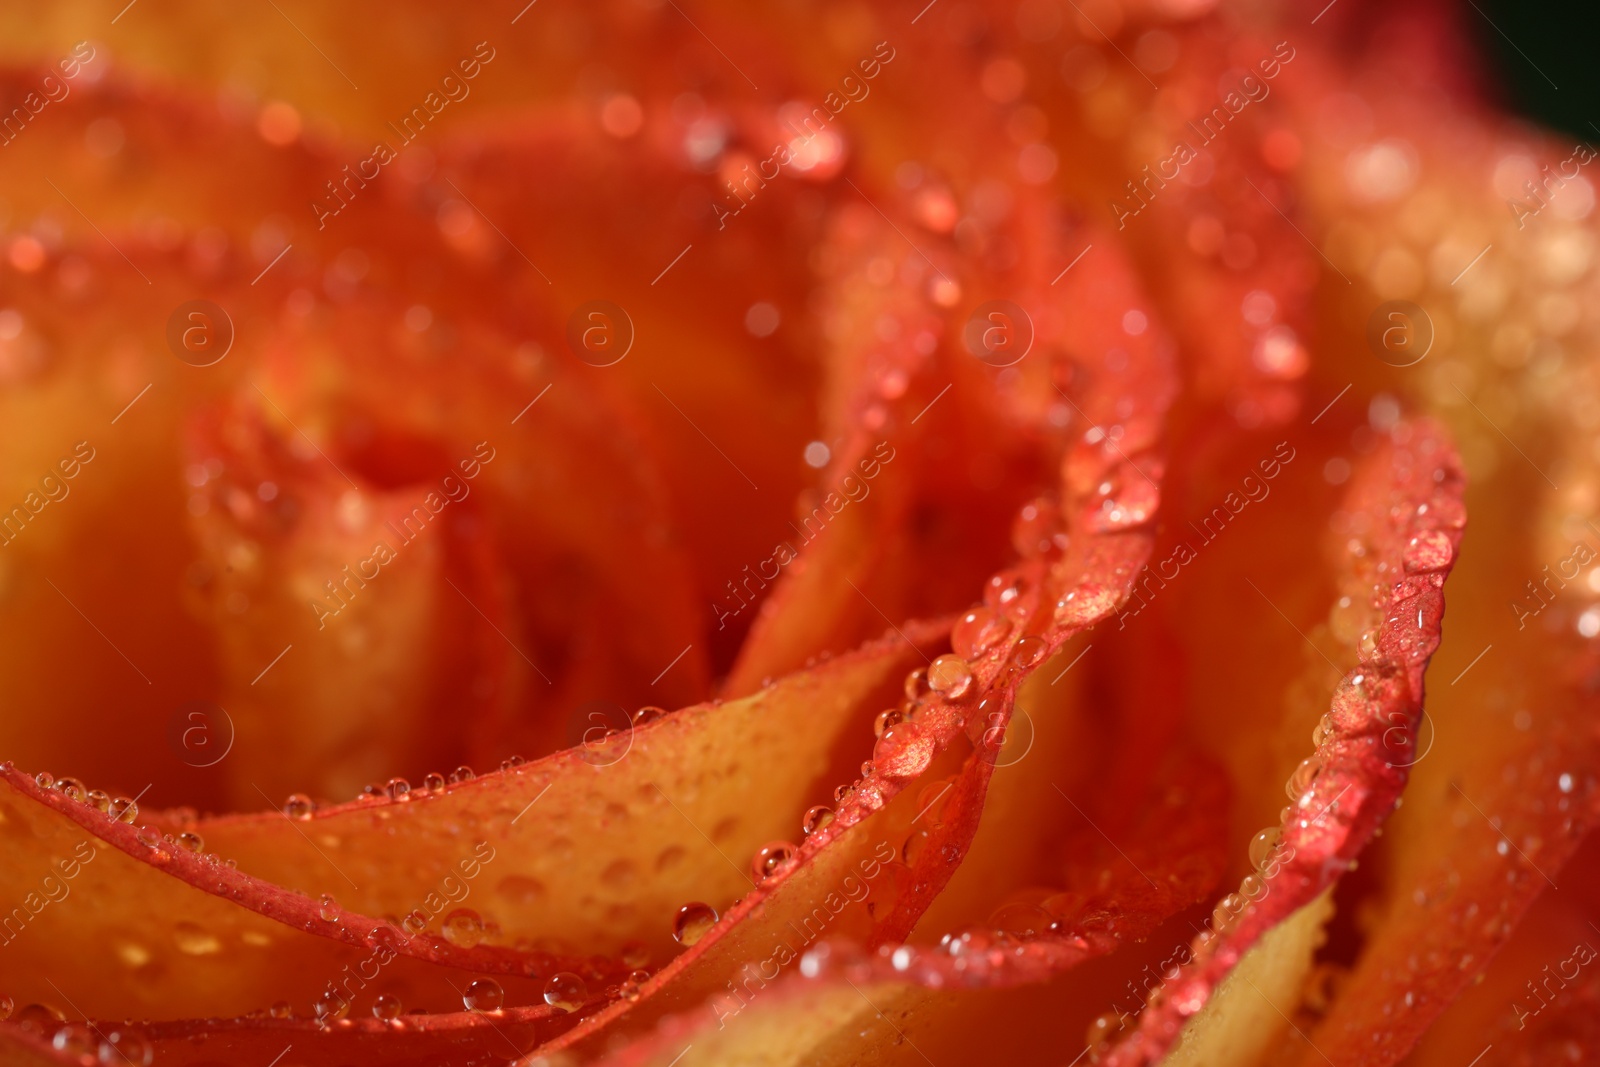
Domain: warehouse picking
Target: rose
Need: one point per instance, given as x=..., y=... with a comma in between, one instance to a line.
x=689, y=885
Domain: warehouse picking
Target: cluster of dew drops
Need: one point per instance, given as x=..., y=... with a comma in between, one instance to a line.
x=904, y=749
x=109, y=1044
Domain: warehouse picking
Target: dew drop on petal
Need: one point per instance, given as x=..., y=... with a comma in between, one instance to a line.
x=815, y=819
x=484, y=994
x=771, y=858
x=1323, y=730
x=125, y=1046
x=299, y=806
x=40, y=1019
x=1428, y=551
x=916, y=844
x=463, y=928
x=1300, y=781
x=904, y=751
x=950, y=676
x=887, y=718
x=124, y=810
x=75, y=1040
x=632, y=986
x=976, y=632
x=1037, y=530
x=692, y=922
x=330, y=1006
x=565, y=991
x=1263, y=845
x=328, y=909
x=1004, y=592
x=387, y=1006
x=1029, y=651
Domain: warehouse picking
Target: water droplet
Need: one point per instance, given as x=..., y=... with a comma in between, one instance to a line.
x=1003, y=594
x=147, y=837
x=1029, y=651
x=433, y=781
x=281, y=1010
x=511, y=763
x=815, y=819
x=565, y=991
x=1020, y=920
x=632, y=986
x=931, y=801
x=1037, y=530
x=40, y=1018
x=330, y=1006
x=484, y=994
x=463, y=928
x=1131, y=498
x=1428, y=551
x=76, y=1040
x=1225, y=911
x=7, y=1006
x=398, y=789
x=841, y=792
x=386, y=935
x=887, y=718
x=98, y=800
x=1300, y=781
x=692, y=922
x=387, y=1006
x=190, y=841
x=124, y=810
x=461, y=774
x=328, y=909
x=44, y=780
x=299, y=806
x=1323, y=730
x=976, y=632
x=1263, y=845
x=904, y=751
x=71, y=788
x=915, y=846
x=950, y=676
x=126, y=1047
x=636, y=954
x=647, y=715
x=916, y=686
x=771, y=858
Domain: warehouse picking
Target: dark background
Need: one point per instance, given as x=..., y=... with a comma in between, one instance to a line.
x=1561, y=39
